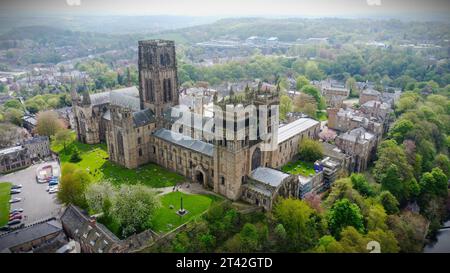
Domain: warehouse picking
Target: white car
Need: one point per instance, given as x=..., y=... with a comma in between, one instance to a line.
x=15, y=200
x=16, y=210
x=52, y=187
x=15, y=191
x=16, y=186
x=53, y=190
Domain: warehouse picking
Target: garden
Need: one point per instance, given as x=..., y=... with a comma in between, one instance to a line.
x=299, y=167
x=94, y=159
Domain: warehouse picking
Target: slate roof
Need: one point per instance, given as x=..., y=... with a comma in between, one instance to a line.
x=185, y=141
x=28, y=234
x=78, y=225
x=11, y=150
x=268, y=176
x=143, y=117
x=36, y=139
x=353, y=135
x=296, y=127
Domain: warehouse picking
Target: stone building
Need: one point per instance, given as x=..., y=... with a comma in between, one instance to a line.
x=38, y=147
x=289, y=138
x=29, y=238
x=14, y=158
x=333, y=92
x=343, y=120
x=265, y=184
x=360, y=145
x=368, y=95
x=138, y=127
x=94, y=237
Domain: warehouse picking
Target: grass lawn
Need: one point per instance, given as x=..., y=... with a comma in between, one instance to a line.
x=5, y=195
x=166, y=219
x=299, y=167
x=95, y=159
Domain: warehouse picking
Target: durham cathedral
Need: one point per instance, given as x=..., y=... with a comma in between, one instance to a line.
x=136, y=123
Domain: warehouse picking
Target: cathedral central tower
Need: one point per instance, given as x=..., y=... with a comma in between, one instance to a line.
x=158, y=84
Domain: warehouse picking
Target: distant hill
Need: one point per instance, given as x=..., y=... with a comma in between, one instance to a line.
x=291, y=29
x=103, y=24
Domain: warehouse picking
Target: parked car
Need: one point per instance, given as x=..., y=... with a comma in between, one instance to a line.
x=53, y=183
x=14, y=222
x=14, y=213
x=16, y=186
x=15, y=200
x=15, y=217
x=4, y=228
x=52, y=187
x=53, y=190
x=16, y=226
x=16, y=210
x=15, y=191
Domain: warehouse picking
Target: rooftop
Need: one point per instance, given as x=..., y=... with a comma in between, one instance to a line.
x=268, y=176
x=11, y=150
x=185, y=141
x=127, y=97
x=289, y=130
x=28, y=234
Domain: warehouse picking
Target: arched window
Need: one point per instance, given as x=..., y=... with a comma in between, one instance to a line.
x=120, y=143
x=140, y=152
x=256, y=158
x=149, y=92
x=167, y=59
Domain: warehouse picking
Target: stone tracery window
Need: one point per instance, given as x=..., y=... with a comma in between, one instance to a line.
x=120, y=143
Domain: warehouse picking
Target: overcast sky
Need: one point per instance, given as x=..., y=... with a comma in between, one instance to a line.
x=233, y=7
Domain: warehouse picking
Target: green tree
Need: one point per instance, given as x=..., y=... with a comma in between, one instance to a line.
x=312, y=91
x=48, y=123
x=100, y=197
x=313, y=72
x=350, y=83
x=72, y=187
x=310, y=150
x=352, y=241
x=249, y=238
x=434, y=183
x=442, y=162
x=302, y=223
x=386, y=239
x=342, y=214
x=360, y=184
x=134, y=207
x=75, y=157
x=328, y=244
x=63, y=137
x=301, y=81
x=389, y=202
x=376, y=218
x=14, y=116
x=400, y=129
x=285, y=106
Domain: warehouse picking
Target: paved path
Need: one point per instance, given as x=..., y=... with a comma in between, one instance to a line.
x=186, y=187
